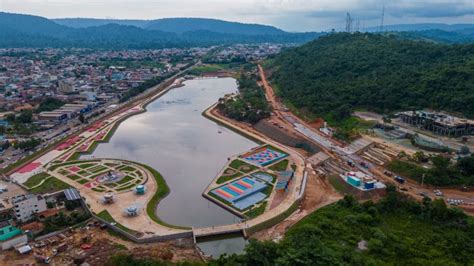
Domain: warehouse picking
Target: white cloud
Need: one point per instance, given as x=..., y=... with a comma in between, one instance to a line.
x=296, y=15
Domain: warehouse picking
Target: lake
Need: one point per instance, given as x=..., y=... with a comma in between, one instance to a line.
x=187, y=149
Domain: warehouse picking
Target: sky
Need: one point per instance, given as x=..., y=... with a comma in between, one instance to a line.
x=290, y=15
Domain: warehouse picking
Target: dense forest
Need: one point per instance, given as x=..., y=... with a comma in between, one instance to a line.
x=249, y=105
x=338, y=73
x=395, y=231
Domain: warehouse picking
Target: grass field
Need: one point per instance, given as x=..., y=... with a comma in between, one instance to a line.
x=51, y=185
x=125, y=180
x=224, y=178
x=82, y=181
x=280, y=166
x=86, y=165
x=337, y=183
x=36, y=179
x=73, y=177
x=240, y=165
x=129, y=186
x=256, y=211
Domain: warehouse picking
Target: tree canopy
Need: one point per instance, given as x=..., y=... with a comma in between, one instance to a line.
x=395, y=231
x=341, y=72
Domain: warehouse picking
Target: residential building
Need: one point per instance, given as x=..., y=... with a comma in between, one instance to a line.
x=26, y=206
x=10, y=236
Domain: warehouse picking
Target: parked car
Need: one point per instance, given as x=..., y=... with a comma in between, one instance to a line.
x=399, y=179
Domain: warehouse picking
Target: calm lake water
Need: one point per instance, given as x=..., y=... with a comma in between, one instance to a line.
x=186, y=148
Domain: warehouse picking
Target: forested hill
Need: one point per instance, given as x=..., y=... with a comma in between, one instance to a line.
x=17, y=30
x=338, y=73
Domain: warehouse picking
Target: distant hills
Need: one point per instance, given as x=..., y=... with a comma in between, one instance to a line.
x=33, y=31
x=178, y=25
x=434, y=32
x=422, y=27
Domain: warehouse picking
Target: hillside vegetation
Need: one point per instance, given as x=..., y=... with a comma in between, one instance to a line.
x=442, y=172
x=338, y=73
x=395, y=231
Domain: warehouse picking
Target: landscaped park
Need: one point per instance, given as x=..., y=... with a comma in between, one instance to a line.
x=101, y=175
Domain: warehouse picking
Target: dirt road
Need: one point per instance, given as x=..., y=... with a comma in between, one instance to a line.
x=319, y=193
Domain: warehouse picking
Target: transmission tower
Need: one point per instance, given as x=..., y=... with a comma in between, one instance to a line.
x=348, y=23
x=383, y=17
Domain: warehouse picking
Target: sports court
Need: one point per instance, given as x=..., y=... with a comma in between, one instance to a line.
x=263, y=156
x=242, y=193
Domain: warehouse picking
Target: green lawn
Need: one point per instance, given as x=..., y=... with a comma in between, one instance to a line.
x=36, y=179
x=83, y=173
x=280, y=166
x=252, y=213
x=82, y=181
x=86, y=165
x=224, y=178
x=73, y=177
x=336, y=182
x=238, y=165
x=51, y=185
x=126, y=168
x=97, y=169
x=129, y=186
x=125, y=180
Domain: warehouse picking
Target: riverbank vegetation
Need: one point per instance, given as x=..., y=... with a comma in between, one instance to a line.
x=250, y=105
x=396, y=230
x=442, y=172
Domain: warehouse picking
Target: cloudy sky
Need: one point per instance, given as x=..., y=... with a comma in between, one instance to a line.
x=292, y=15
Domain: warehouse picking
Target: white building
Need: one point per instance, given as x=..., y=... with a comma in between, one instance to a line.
x=25, y=206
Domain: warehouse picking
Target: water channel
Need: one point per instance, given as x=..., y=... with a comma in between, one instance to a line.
x=187, y=149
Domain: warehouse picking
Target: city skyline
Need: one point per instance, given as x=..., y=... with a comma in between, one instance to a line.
x=290, y=15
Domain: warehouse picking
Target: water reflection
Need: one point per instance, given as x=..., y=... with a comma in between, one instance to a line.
x=188, y=150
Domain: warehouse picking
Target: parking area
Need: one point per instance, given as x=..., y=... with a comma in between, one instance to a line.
x=8, y=190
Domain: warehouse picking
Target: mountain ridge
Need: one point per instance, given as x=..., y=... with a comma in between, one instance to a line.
x=177, y=25
x=34, y=31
